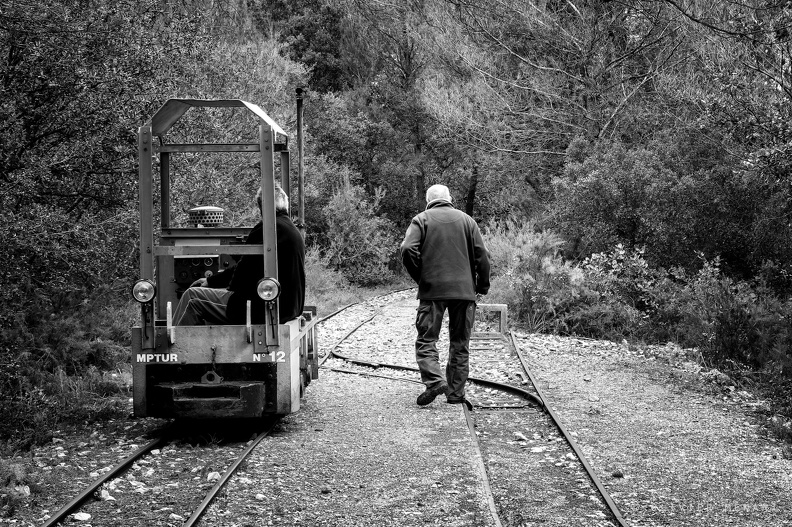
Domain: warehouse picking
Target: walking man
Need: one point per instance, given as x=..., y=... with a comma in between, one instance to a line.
x=444, y=253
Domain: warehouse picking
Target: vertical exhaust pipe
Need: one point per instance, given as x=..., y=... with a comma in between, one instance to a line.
x=300, y=165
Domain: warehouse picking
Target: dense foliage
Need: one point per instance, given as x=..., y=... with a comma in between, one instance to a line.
x=629, y=159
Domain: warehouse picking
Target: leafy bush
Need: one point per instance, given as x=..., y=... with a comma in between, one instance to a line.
x=613, y=298
x=617, y=295
x=747, y=327
x=612, y=320
x=325, y=288
x=528, y=273
x=602, y=298
x=361, y=245
x=676, y=197
x=62, y=367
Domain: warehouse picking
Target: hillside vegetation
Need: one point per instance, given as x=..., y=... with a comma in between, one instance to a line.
x=629, y=162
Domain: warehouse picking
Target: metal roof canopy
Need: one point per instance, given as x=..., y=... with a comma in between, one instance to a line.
x=173, y=109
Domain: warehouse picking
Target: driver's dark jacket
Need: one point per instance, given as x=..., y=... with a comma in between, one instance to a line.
x=243, y=278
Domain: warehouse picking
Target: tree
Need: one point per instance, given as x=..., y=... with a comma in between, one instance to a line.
x=563, y=70
x=315, y=33
x=79, y=79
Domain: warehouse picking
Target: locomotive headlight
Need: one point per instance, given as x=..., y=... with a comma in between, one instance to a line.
x=143, y=291
x=268, y=289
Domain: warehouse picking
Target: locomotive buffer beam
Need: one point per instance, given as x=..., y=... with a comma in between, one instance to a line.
x=220, y=400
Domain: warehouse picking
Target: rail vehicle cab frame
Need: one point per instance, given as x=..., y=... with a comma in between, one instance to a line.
x=219, y=371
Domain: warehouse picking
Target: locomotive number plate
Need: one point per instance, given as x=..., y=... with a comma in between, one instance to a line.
x=278, y=356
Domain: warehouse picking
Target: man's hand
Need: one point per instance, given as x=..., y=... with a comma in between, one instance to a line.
x=201, y=282
x=479, y=296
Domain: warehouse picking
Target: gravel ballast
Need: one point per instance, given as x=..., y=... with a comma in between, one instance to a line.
x=672, y=448
x=357, y=455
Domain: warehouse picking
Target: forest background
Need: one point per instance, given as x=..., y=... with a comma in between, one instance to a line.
x=628, y=161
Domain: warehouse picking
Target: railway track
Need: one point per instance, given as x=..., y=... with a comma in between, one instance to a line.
x=89, y=497
x=170, y=436
x=517, y=438
x=531, y=470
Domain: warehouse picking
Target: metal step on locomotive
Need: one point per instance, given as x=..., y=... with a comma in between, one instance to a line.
x=213, y=371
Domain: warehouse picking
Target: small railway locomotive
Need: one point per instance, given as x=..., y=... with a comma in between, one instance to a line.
x=213, y=371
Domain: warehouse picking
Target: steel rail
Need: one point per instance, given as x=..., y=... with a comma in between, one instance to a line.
x=481, y=466
x=341, y=309
x=475, y=380
x=210, y=496
x=369, y=374
x=336, y=312
x=140, y=452
x=332, y=351
x=594, y=479
x=101, y=480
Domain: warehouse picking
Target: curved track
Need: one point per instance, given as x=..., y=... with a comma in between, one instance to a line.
x=486, y=394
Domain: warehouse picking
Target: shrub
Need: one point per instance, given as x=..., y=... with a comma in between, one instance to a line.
x=732, y=323
x=672, y=315
x=528, y=273
x=514, y=245
x=325, y=288
x=360, y=244
x=63, y=368
x=674, y=196
x=744, y=326
x=613, y=297
x=604, y=319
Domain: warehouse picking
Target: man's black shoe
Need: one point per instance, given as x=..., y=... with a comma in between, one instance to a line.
x=430, y=394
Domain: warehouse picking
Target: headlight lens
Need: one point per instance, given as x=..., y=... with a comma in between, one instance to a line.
x=143, y=291
x=268, y=289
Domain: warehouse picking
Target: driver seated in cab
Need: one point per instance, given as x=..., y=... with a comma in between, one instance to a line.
x=222, y=298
